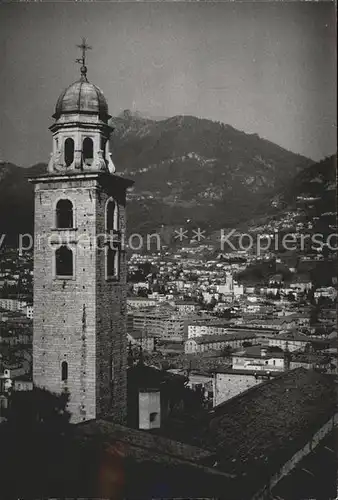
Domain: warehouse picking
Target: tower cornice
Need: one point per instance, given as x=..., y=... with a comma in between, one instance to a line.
x=78, y=123
x=103, y=177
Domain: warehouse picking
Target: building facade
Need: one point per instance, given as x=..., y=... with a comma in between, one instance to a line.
x=199, y=328
x=218, y=342
x=258, y=358
x=164, y=325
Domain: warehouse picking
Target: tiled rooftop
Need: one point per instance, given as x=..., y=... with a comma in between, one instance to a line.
x=144, y=440
x=231, y=371
x=154, y=466
x=267, y=424
x=208, y=339
x=259, y=351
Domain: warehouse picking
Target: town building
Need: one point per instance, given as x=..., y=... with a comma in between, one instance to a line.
x=140, y=302
x=311, y=361
x=218, y=342
x=151, y=394
x=258, y=358
x=141, y=339
x=11, y=372
x=291, y=341
x=199, y=328
x=13, y=304
x=198, y=380
x=228, y=382
x=163, y=323
x=29, y=311
x=186, y=307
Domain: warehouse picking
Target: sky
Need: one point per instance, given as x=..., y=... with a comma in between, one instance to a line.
x=265, y=68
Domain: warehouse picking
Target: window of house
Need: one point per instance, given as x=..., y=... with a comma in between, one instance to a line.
x=64, y=214
x=64, y=371
x=64, y=261
x=69, y=151
x=88, y=150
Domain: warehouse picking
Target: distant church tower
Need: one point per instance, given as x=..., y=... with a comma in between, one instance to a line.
x=79, y=342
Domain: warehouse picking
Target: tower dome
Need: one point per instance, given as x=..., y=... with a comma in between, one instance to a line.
x=82, y=97
x=81, y=130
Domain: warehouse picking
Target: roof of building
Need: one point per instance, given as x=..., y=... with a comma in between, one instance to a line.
x=249, y=328
x=170, y=346
x=213, y=339
x=301, y=278
x=139, y=334
x=257, y=431
x=145, y=440
x=249, y=373
x=153, y=466
x=302, y=357
x=82, y=97
x=250, y=436
x=144, y=376
x=292, y=336
x=141, y=299
x=255, y=351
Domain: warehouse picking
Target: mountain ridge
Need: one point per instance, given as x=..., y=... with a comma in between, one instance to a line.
x=184, y=167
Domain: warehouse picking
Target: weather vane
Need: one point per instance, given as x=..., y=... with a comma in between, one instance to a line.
x=82, y=60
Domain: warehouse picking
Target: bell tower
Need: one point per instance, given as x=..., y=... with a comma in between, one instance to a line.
x=79, y=339
x=81, y=131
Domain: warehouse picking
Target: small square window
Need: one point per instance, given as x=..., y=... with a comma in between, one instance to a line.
x=152, y=416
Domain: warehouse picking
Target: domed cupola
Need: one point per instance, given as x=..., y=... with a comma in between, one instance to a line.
x=81, y=131
x=82, y=97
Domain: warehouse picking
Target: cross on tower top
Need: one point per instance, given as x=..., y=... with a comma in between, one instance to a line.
x=82, y=60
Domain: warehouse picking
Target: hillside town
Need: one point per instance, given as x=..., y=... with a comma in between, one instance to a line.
x=192, y=314
x=168, y=282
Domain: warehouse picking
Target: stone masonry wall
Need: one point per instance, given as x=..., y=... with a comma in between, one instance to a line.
x=229, y=385
x=79, y=320
x=111, y=341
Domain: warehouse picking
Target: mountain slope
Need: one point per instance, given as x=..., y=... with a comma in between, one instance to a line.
x=186, y=167
x=309, y=201
x=183, y=167
x=313, y=193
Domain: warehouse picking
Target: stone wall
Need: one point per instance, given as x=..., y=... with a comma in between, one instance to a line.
x=149, y=402
x=80, y=320
x=229, y=385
